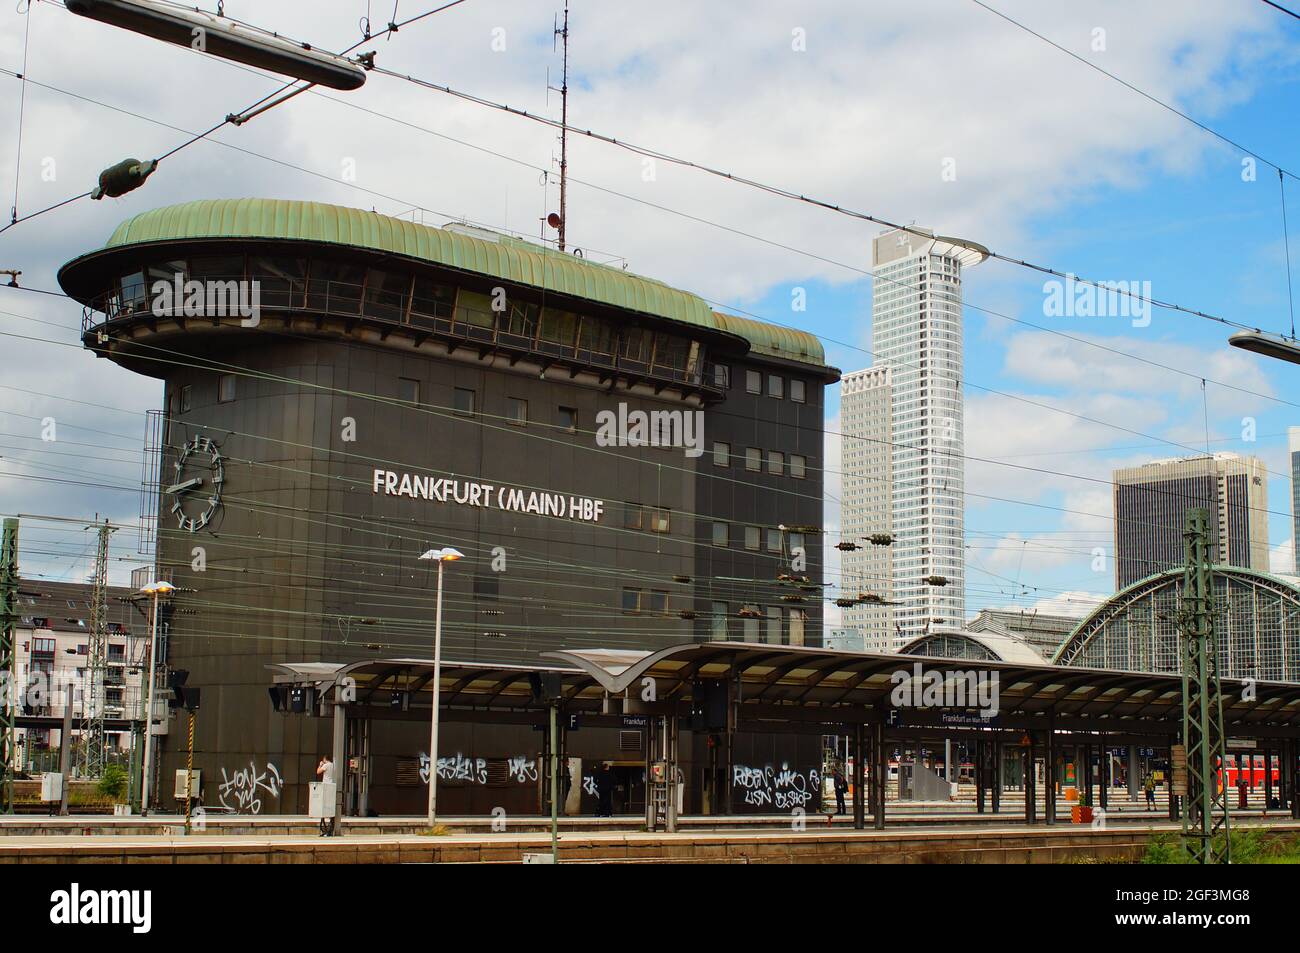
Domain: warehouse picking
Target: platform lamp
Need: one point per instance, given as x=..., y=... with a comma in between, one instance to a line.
x=441, y=556
x=154, y=591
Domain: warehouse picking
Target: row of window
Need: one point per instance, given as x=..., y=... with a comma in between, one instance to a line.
x=768, y=625
x=754, y=538
x=754, y=384
x=344, y=288
x=776, y=460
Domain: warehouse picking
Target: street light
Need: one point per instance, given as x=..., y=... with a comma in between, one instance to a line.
x=155, y=591
x=441, y=556
x=1284, y=349
x=223, y=37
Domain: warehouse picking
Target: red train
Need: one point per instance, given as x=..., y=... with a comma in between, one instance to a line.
x=1251, y=769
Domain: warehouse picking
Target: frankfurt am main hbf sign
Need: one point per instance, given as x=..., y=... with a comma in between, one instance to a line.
x=471, y=493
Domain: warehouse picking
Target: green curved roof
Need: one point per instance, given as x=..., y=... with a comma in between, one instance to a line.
x=500, y=256
x=774, y=340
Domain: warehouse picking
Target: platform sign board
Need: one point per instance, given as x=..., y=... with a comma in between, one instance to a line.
x=1178, y=765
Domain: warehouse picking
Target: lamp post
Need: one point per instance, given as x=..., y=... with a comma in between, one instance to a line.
x=155, y=591
x=441, y=556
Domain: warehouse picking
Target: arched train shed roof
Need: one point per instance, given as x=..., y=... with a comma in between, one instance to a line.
x=980, y=646
x=1257, y=626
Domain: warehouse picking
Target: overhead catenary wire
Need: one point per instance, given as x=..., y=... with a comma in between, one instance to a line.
x=22, y=105
x=967, y=304
x=1286, y=250
x=825, y=204
x=433, y=409
x=1278, y=6
x=235, y=118
x=449, y=413
x=1141, y=92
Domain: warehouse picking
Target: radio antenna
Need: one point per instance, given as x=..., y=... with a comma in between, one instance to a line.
x=563, y=33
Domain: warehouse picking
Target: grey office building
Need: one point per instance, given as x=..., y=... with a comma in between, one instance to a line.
x=1152, y=502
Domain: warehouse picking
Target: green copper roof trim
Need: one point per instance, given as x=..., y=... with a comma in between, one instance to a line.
x=774, y=340
x=504, y=257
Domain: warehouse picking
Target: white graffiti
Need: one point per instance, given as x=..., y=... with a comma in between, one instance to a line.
x=456, y=768
x=521, y=769
x=784, y=789
x=589, y=785
x=246, y=785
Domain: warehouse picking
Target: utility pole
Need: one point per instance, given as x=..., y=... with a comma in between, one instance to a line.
x=8, y=663
x=1205, y=812
x=563, y=34
x=97, y=663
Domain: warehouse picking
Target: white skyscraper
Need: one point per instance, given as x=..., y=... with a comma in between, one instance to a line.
x=866, y=466
x=916, y=335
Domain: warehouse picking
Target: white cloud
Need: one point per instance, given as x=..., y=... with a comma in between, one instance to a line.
x=1281, y=558
x=1076, y=603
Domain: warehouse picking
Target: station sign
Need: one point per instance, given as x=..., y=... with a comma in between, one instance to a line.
x=510, y=499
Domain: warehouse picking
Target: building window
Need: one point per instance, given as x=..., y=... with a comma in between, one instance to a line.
x=225, y=388
x=753, y=382
x=751, y=538
x=517, y=411
x=797, y=393
x=658, y=521
x=408, y=390
x=797, y=618
x=773, y=540
x=720, y=534
x=798, y=466
x=775, y=386
x=718, y=622
x=776, y=463
x=631, y=515
x=722, y=376
x=753, y=459
x=462, y=400
x=752, y=628
x=774, y=632
x=796, y=542
x=187, y=397
x=641, y=600
x=721, y=454
x=569, y=419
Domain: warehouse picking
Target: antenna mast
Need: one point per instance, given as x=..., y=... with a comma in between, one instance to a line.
x=563, y=33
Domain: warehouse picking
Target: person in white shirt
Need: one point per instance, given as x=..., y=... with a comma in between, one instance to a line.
x=325, y=771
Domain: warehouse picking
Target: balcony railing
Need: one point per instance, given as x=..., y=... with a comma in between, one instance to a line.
x=576, y=340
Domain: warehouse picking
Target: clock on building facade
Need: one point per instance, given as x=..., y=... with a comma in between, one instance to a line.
x=196, y=492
